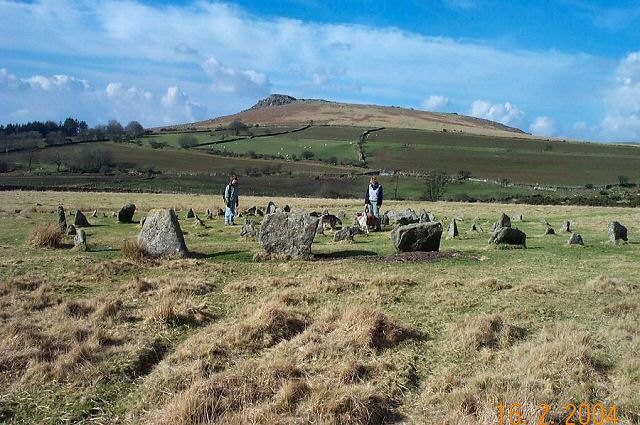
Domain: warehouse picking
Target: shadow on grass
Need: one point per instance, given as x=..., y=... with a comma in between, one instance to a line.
x=203, y=256
x=344, y=254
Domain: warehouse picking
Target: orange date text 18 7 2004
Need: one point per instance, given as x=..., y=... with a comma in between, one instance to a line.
x=574, y=414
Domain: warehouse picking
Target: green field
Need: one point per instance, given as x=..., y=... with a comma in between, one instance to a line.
x=520, y=160
x=352, y=337
x=413, y=153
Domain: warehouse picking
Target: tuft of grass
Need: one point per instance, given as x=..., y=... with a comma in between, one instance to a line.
x=45, y=236
x=131, y=250
x=491, y=331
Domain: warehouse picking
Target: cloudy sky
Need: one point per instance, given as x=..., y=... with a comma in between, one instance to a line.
x=566, y=68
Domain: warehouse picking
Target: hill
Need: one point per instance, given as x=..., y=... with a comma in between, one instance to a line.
x=286, y=110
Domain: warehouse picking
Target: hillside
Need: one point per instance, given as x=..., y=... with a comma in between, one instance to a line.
x=286, y=110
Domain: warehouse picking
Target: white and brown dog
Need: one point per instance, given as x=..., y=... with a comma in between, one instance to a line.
x=366, y=221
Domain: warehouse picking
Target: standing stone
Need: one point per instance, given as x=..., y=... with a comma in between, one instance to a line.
x=62, y=219
x=408, y=216
x=452, y=232
x=509, y=236
x=249, y=230
x=286, y=208
x=549, y=231
x=190, y=213
x=125, y=215
x=566, y=227
x=198, y=223
x=424, y=217
x=505, y=221
x=617, y=232
x=80, y=240
x=81, y=220
x=251, y=211
x=417, y=237
x=341, y=214
x=220, y=212
x=384, y=219
x=271, y=208
x=320, y=230
x=345, y=234
x=475, y=228
x=161, y=235
x=288, y=233
x=94, y=213
x=576, y=239
x=113, y=214
x=70, y=230
x=209, y=214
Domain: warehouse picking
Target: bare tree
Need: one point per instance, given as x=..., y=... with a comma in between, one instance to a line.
x=56, y=157
x=435, y=183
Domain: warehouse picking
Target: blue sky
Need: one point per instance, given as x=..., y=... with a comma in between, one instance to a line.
x=564, y=68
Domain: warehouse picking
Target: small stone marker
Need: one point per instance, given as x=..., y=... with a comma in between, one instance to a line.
x=576, y=239
x=566, y=227
x=190, y=213
x=417, y=237
x=271, y=208
x=94, y=213
x=344, y=234
x=509, y=236
x=249, y=230
x=198, y=223
x=125, y=215
x=424, y=217
x=161, y=235
x=62, y=219
x=617, y=232
x=549, y=231
x=81, y=220
x=286, y=208
x=70, y=230
x=505, y=221
x=80, y=240
x=209, y=214
x=452, y=232
x=220, y=212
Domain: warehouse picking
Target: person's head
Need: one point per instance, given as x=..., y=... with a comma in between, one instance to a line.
x=374, y=180
x=234, y=179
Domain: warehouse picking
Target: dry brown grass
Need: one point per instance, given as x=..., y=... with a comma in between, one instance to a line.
x=528, y=373
x=491, y=283
x=131, y=250
x=281, y=366
x=606, y=284
x=45, y=236
x=490, y=331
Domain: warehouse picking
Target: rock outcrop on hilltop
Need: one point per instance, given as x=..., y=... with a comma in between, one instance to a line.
x=274, y=100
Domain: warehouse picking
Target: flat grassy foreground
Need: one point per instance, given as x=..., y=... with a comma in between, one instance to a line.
x=353, y=336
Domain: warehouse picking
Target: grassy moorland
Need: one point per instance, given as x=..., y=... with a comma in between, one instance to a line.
x=353, y=336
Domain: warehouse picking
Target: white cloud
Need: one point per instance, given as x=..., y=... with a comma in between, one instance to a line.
x=544, y=126
x=507, y=113
x=235, y=81
x=622, y=102
x=435, y=103
x=58, y=82
x=10, y=81
x=156, y=46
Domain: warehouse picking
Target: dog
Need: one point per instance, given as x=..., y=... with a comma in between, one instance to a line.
x=366, y=221
x=330, y=221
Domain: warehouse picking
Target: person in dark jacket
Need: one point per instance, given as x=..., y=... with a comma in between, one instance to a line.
x=373, y=199
x=231, y=201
